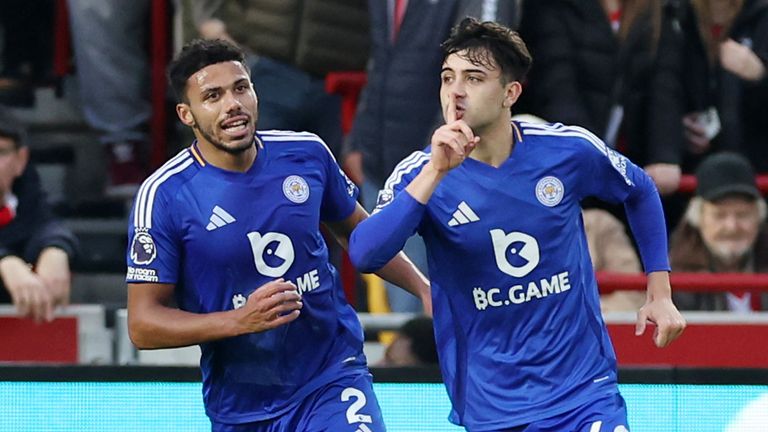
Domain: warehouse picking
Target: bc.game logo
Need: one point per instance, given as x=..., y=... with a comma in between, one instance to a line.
x=523, y=251
x=272, y=253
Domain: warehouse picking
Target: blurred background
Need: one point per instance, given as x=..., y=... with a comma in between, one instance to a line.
x=679, y=86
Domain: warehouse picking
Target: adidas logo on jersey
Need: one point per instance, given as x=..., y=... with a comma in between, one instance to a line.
x=463, y=215
x=219, y=218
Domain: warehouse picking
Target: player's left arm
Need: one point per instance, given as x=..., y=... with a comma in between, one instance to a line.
x=646, y=220
x=399, y=270
x=616, y=179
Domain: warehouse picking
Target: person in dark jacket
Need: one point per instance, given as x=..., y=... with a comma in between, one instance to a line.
x=292, y=46
x=726, y=86
x=723, y=231
x=35, y=249
x=613, y=67
x=414, y=345
x=399, y=107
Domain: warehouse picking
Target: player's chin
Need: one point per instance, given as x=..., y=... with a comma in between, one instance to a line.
x=235, y=145
x=240, y=140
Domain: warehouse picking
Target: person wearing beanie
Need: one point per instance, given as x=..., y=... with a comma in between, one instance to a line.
x=723, y=231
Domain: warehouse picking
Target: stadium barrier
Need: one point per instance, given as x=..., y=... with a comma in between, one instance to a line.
x=78, y=335
x=688, y=184
x=712, y=339
x=695, y=282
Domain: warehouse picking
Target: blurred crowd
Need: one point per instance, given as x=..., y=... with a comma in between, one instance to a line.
x=677, y=85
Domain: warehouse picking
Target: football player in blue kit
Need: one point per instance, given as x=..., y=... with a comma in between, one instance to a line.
x=521, y=341
x=228, y=230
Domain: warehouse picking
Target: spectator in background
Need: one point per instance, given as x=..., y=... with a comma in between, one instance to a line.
x=110, y=44
x=611, y=250
x=726, y=85
x=613, y=67
x=35, y=249
x=399, y=107
x=723, y=231
x=414, y=345
x=292, y=46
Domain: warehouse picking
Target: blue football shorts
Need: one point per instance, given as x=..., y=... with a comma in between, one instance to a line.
x=345, y=405
x=608, y=414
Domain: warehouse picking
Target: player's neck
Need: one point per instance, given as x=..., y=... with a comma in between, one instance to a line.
x=236, y=162
x=495, y=144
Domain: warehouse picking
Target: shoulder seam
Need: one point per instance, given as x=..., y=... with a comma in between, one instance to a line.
x=410, y=163
x=558, y=129
x=290, y=136
x=142, y=217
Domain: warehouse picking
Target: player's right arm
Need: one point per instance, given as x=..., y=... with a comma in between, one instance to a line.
x=451, y=144
x=155, y=257
x=376, y=240
x=154, y=323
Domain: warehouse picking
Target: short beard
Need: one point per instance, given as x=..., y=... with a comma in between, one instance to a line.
x=216, y=143
x=729, y=256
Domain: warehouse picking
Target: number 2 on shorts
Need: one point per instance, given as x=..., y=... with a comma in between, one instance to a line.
x=353, y=415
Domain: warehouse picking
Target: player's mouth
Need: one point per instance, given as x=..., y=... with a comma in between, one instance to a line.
x=460, y=111
x=236, y=126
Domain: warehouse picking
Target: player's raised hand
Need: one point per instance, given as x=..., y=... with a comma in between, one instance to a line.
x=452, y=142
x=273, y=304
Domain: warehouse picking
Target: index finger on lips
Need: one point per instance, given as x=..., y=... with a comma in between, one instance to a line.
x=465, y=129
x=450, y=113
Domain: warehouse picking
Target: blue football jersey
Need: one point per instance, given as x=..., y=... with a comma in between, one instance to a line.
x=516, y=306
x=219, y=235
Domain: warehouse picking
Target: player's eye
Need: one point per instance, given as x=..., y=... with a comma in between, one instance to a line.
x=446, y=79
x=210, y=96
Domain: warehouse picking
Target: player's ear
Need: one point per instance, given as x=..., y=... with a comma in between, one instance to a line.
x=22, y=158
x=185, y=114
x=512, y=91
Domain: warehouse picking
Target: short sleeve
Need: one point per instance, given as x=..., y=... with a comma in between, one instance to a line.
x=153, y=247
x=401, y=176
x=340, y=193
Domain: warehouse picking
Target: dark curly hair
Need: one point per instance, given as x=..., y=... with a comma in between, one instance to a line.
x=490, y=44
x=419, y=331
x=196, y=55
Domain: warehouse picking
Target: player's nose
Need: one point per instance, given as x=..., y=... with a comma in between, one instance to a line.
x=231, y=102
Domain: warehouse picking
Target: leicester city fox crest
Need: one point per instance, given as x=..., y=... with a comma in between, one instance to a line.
x=296, y=189
x=550, y=191
x=143, y=250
